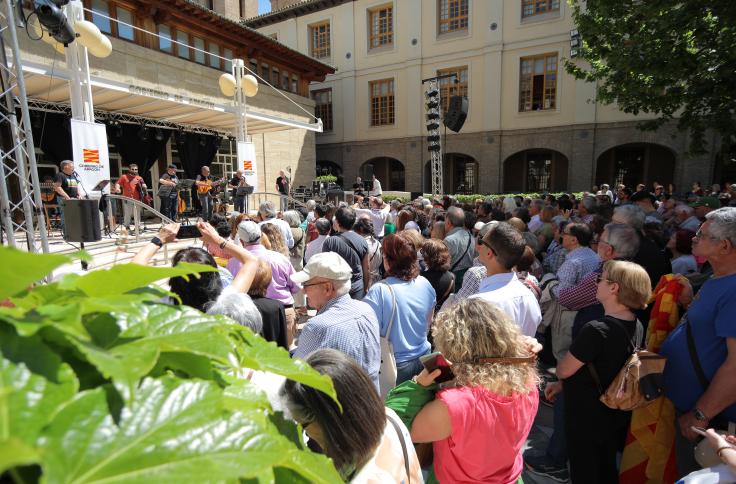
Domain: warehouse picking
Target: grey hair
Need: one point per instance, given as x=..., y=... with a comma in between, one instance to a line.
x=588, y=203
x=342, y=287
x=723, y=224
x=632, y=215
x=240, y=308
x=623, y=239
x=267, y=209
x=293, y=218
x=311, y=205
x=456, y=216
x=323, y=226
x=605, y=186
x=682, y=208
x=65, y=163
x=509, y=204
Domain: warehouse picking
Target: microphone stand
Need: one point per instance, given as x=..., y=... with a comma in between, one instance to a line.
x=86, y=196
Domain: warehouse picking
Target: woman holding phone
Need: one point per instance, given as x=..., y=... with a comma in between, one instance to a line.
x=495, y=394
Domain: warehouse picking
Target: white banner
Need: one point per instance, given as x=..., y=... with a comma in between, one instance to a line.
x=247, y=163
x=91, y=159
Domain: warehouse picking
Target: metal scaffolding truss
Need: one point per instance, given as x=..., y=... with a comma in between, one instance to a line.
x=100, y=115
x=20, y=194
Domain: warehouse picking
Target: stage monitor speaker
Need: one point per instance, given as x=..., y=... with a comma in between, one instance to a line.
x=456, y=113
x=415, y=195
x=82, y=221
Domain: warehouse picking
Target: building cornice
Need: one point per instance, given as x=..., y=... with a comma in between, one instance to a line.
x=292, y=11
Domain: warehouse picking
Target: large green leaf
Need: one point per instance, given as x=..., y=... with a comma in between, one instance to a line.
x=122, y=278
x=172, y=431
x=27, y=403
x=20, y=270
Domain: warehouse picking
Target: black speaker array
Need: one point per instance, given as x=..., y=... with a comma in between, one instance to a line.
x=82, y=221
x=457, y=111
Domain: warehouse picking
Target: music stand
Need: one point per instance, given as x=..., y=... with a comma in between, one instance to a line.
x=244, y=192
x=100, y=186
x=186, y=185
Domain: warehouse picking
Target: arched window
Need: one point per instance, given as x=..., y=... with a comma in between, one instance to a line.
x=389, y=171
x=635, y=163
x=535, y=171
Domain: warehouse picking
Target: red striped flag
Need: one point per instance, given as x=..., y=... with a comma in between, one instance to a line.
x=90, y=156
x=248, y=165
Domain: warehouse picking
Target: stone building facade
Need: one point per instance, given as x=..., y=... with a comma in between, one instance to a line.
x=530, y=126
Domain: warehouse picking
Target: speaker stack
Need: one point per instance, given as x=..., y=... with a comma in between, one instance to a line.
x=457, y=112
x=82, y=220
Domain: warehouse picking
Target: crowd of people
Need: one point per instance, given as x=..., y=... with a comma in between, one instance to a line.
x=444, y=325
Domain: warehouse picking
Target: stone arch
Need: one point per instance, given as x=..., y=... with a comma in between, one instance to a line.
x=459, y=175
x=634, y=163
x=327, y=167
x=535, y=170
x=389, y=171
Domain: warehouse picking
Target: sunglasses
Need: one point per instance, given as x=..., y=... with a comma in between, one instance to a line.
x=483, y=242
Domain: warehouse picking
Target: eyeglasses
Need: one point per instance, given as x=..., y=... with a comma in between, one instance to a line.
x=700, y=235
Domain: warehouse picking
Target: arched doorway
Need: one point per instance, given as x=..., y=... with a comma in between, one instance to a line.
x=325, y=167
x=389, y=171
x=725, y=167
x=459, y=174
x=535, y=171
x=635, y=163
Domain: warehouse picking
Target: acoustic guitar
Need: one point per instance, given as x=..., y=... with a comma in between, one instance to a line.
x=204, y=187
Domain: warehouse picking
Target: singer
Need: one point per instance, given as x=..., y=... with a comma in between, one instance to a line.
x=66, y=186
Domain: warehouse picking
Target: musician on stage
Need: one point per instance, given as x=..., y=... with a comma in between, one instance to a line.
x=169, y=202
x=132, y=186
x=282, y=185
x=238, y=181
x=204, y=186
x=66, y=186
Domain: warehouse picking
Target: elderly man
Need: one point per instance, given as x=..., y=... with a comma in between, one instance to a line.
x=267, y=213
x=701, y=351
x=282, y=288
x=238, y=181
x=323, y=226
x=685, y=218
x=459, y=241
x=341, y=323
x=580, y=259
x=704, y=205
x=586, y=210
x=534, y=210
x=646, y=201
x=499, y=251
x=649, y=256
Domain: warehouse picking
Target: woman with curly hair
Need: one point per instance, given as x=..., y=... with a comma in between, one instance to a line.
x=406, y=297
x=278, y=244
x=495, y=396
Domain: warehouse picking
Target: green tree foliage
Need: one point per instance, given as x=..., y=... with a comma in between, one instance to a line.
x=100, y=382
x=673, y=59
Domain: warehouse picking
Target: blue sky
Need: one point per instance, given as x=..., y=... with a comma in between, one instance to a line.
x=264, y=6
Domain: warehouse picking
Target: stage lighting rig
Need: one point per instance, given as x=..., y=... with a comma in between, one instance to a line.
x=52, y=18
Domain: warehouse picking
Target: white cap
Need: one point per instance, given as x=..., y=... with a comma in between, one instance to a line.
x=328, y=265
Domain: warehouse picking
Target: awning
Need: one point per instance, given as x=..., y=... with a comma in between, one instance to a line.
x=115, y=97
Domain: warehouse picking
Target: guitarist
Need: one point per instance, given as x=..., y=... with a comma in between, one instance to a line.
x=169, y=202
x=132, y=186
x=204, y=186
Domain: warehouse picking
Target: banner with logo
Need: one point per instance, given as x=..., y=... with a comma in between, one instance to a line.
x=247, y=163
x=91, y=159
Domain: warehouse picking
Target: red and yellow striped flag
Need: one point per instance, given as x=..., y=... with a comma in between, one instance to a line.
x=90, y=156
x=649, y=454
x=248, y=165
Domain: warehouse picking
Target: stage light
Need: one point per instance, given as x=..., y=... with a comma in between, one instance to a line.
x=159, y=136
x=90, y=36
x=54, y=21
x=143, y=134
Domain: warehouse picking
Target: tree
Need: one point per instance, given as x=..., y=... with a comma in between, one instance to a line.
x=676, y=60
x=101, y=382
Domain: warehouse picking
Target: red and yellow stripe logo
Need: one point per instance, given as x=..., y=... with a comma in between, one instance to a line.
x=90, y=156
x=248, y=165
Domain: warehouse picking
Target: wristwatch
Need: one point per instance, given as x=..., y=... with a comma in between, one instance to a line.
x=699, y=415
x=157, y=241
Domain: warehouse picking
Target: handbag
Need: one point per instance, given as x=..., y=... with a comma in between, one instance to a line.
x=387, y=372
x=638, y=383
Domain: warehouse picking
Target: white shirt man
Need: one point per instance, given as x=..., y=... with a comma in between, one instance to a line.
x=500, y=250
x=267, y=211
x=376, y=190
x=377, y=214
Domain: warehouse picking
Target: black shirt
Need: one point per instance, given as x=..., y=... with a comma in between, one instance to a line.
x=274, y=320
x=606, y=345
x=652, y=259
x=69, y=184
x=172, y=178
x=441, y=281
x=339, y=243
x=234, y=182
x=283, y=183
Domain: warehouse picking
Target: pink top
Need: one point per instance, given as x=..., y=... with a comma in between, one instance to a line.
x=488, y=433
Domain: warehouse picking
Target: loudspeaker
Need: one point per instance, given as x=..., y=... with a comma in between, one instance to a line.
x=415, y=195
x=457, y=111
x=82, y=221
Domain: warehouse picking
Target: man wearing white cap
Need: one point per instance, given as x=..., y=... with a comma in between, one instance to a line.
x=341, y=323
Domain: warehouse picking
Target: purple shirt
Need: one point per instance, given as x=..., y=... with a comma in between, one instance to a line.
x=281, y=287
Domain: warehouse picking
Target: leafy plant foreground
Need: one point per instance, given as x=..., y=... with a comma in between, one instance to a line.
x=101, y=383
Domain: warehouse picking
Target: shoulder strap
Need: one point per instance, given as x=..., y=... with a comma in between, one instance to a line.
x=591, y=367
x=704, y=382
x=403, y=446
x=623, y=328
x=470, y=239
x=393, y=310
x=450, y=287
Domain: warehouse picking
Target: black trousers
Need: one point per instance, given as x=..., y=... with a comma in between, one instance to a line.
x=168, y=207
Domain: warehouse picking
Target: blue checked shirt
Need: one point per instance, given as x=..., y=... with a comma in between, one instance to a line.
x=346, y=325
x=578, y=264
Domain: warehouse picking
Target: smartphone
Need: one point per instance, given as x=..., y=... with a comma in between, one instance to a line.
x=188, y=232
x=699, y=430
x=434, y=361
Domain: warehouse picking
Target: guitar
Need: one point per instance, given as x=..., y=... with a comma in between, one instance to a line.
x=205, y=186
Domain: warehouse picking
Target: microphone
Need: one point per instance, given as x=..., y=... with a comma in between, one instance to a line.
x=75, y=174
